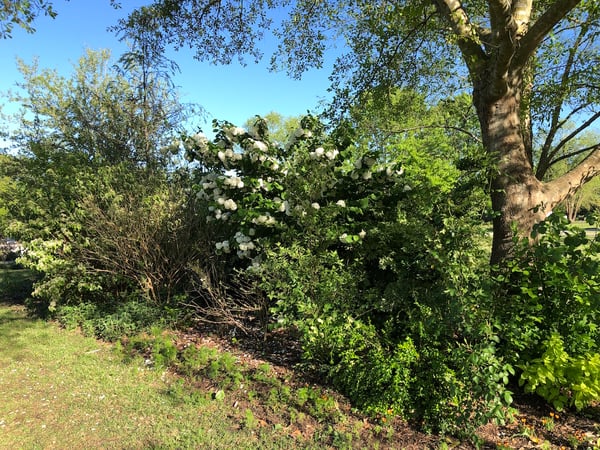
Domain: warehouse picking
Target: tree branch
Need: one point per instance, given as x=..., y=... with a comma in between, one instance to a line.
x=467, y=34
x=538, y=31
x=574, y=133
x=571, y=181
x=575, y=153
x=443, y=127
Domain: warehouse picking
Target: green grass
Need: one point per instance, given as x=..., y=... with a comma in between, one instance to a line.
x=62, y=390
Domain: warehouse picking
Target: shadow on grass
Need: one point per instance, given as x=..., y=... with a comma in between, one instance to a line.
x=16, y=284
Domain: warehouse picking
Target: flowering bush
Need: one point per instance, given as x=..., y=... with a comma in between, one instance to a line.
x=265, y=192
x=337, y=234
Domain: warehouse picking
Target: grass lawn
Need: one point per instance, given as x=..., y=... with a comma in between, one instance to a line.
x=61, y=390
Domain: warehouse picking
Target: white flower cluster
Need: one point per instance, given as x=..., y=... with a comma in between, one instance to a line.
x=245, y=245
x=366, y=166
x=223, y=246
x=320, y=153
x=234, y=132
x=228, y=156
x=299, y=133
x=234, y=182
x=264, y=219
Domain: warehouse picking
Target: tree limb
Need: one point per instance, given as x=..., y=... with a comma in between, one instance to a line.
x=539, y=30
x=454, y=12
x=575, y=178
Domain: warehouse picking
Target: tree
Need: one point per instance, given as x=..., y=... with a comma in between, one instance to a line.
x=94, y=192
x=104, y=113
x=22, y=13
x=531, y=65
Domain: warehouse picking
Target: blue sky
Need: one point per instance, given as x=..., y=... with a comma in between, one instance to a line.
x=232, y=92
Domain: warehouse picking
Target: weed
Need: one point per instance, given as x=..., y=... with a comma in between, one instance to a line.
x=250, y=421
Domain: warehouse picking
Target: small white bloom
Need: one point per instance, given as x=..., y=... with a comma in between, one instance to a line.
x=367, y=175
x=230, y=204
x=343, y=237
x=221, y=156
x=259, y=145
x=331, y=154
x=315, y=205
x=341, y=203
x=407, y=188
x=362, y=234
x=320, y=151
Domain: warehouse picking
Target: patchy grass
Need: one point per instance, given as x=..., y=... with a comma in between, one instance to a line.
x=62, y=390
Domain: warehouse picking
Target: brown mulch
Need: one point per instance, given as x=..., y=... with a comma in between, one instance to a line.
x=534, y=425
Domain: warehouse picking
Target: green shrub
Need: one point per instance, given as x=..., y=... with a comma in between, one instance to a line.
x=561, y=379
x=112, y=321
x=551, y=287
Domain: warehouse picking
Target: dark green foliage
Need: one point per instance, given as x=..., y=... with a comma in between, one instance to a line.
x=113, y=320
x=550, y=310
x=551, y=287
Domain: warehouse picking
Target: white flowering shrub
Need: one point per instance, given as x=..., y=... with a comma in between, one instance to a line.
x=263, y=192
x=372, y=265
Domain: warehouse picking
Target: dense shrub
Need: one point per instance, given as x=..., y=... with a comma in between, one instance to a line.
x=548, y=310
x=378, y=268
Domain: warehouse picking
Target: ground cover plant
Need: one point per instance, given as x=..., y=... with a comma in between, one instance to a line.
x=62, y=389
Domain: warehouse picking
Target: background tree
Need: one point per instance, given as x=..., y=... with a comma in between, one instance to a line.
x=96, y=195
x=22, y=13
x=532, y=65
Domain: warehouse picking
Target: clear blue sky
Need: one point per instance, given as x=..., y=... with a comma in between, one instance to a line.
x=231, y=92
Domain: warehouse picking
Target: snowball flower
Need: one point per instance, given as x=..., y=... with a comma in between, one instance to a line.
x=230, y=204
x=259, y=145
x=201, y=141
x=331, y=154
x=223, y=246
x=232, y=132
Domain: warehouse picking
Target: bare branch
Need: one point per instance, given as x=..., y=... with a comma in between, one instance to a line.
x=575, y=133
x=443, y=127
x=575, y=153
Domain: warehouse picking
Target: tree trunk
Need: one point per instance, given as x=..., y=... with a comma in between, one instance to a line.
x=519, y=199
